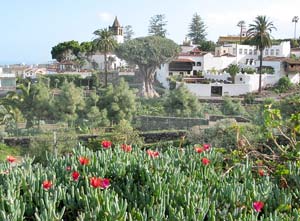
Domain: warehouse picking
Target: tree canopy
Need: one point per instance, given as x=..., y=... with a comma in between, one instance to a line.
x=65, y=51
x=148, y=53
x=158, y=25
x=197, y=30
x=128, y=32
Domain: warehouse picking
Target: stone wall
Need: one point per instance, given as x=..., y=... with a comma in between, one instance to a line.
x=147, y=123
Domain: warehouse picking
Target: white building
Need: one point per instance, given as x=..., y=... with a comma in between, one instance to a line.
x=7, y=81
x=213, y=82
x=113, y=61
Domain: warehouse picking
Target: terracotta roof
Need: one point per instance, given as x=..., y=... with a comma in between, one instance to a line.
x=223, y=39
x=183, y=60
x=116, y=23
x=193, y=55
x=273, y=58
x=196, y=50
x=292, y=61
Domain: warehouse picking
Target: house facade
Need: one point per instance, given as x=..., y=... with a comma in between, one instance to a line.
x=209, y=79
x=7, y=81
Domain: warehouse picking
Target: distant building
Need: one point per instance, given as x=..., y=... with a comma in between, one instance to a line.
x=7, y=81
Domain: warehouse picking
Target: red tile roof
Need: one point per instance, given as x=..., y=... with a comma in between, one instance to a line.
x=183, y=60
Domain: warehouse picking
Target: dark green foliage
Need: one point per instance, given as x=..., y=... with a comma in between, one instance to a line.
x=148, y=53
x=233, y=69
x=197, y=30
x=180, y=102
x=157, y=25
x=207, y=46
x=230, y=107
x=151, y=107
x=68, y=103
x=65, y=51
x=249, y=98
x=128, y=32
x=118, y=101
x=284, y=84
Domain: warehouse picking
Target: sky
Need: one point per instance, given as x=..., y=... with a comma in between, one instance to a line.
x=30, y=28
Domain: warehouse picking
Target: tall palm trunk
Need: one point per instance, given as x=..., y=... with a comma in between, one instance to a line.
x=105, y=68
x=260, y=69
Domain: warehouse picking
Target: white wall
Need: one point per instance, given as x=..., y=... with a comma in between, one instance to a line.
x=162, y=75
x=295, y=78
x=218, y=63
x=218, y=77
x=199, y=89
x=235, y=89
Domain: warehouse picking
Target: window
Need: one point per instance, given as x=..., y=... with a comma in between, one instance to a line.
x=241, y=79
x=234, y=51
x=245, y=51
x=247, y=60
x=272, y=51
x=277, y=52
x=240, y=51
x=267, y=52
x=255, y=52
x=251, y=61
x=250, y=51
x=198, y=63
x=170, y=73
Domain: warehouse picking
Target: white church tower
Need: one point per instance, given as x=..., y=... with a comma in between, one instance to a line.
x=117, y=30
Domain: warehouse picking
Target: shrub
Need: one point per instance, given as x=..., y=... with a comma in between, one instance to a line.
x=284, y=84
x=224, y=134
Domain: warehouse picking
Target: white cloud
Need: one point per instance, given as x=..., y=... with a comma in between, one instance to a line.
x=105, y=16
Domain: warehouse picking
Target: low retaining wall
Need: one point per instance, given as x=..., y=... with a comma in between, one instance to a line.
x=147, y=123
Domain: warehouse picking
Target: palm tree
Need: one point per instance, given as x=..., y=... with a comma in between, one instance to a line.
x=104, y=43
x=259, y=35
x=241, y=24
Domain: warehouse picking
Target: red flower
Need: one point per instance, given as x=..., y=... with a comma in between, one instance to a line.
x=206, y=146
x=75, y=175
x=106, y=144
x=152, y=153
x=205, y=161
x=47, y=184
x=258, y=205
x=126, y=148
x=99, y=182
x=261, y=172
x=199, y=149
x=84, y=160
x=68, y=168
x=11, y=159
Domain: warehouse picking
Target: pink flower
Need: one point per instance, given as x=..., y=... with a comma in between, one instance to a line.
x=84, y=160
x=68, y=168
x=205, y=161
x=99, y=182
x=258, y=205
x=126, y=148
x=75, y=175
x=261, y=172
x=152, y=153
x=11, y=159
x=106, y=144
x=47, y=184
x=199, y=149
x=206, y=146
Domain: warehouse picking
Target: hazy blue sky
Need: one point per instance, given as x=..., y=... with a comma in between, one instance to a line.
x=29, y=28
